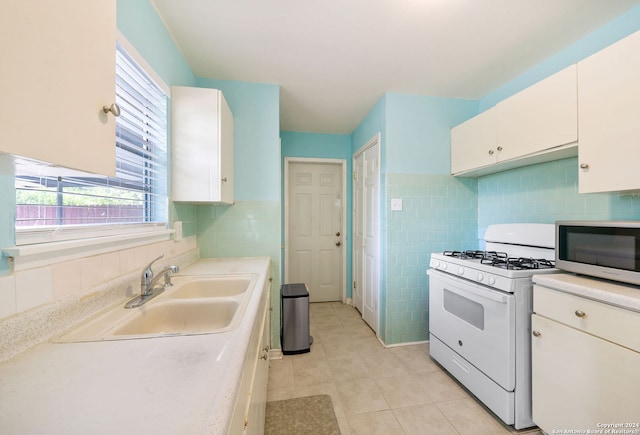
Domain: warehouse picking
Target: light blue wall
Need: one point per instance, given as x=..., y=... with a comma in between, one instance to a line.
x=143, y=28
x=138, y=21
x=7, y=208
x=614, y=31
x=256, y=137
x=549, y=192
x=371, y=125
x=438, y=209
x=545, y=193
x=326, y=146
x=252, y=226
x=418, y=132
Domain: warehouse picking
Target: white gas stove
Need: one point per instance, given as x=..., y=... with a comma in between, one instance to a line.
x=480, y=305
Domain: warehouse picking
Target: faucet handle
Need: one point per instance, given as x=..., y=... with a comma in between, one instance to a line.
x=149, y=265
x=167, y=276
x=147, y=275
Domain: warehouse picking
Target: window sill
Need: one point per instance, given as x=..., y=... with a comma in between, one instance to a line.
x=44, y=254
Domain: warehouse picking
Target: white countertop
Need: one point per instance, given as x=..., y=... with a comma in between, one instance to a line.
x=618, y=294
x=169, y=385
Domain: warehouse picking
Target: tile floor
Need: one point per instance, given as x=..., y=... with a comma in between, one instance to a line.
x=374, y=390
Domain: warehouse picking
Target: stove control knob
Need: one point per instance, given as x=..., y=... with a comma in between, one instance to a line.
x=491, y=280
x=435, y=263
x=460, y=270
x=480, y=276
x=443, y=266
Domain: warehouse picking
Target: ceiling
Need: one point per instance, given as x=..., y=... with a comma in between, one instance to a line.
x=334, y=59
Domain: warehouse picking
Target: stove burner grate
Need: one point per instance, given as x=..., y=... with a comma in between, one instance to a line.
x=502, y=260
x=520, y=263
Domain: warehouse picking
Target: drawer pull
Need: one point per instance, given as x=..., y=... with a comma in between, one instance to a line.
x=536, y=333
x=580, y=313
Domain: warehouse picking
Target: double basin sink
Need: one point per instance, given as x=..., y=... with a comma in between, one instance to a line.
x=204, y=304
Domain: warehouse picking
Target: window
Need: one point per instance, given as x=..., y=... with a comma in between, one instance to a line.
x=54, y=197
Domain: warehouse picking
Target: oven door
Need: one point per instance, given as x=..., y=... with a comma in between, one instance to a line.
x=476, y=322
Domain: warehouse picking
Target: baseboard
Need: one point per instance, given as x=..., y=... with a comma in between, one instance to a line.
x=409, y=343
x=275, y=354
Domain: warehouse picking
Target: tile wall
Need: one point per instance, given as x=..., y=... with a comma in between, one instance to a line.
x=545, y=193
x=39, y=302
x=246, y=229
x=438, y=212
x=27, y=289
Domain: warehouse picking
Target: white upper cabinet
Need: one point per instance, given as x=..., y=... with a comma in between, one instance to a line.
x=609, y=118
x=201, y=146
x=536, y=125
x=473, y=143
x=541, y=117
x=58, y=72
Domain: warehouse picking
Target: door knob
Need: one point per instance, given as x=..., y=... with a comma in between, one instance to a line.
x=338, y=234
x=338, y=243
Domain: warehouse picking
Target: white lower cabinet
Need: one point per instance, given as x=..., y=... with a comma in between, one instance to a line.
x=250, y=409
x=583, y=378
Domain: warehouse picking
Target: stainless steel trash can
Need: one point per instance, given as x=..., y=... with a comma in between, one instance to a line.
x=294, y=319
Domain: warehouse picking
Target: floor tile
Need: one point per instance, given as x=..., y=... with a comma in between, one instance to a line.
x=470, y=418
x=378, y=390
x=309, y=371
x=402, y=391
x=375, y=423
x=361, y=396
x=424, y=420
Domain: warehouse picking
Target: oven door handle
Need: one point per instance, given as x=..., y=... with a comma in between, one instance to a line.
x=454, y=285
x=484, y=294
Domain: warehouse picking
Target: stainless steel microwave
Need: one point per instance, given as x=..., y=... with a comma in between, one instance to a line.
x=604, y=249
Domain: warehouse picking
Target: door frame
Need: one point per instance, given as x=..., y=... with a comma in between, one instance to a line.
x=375, y=140
x=312, y=160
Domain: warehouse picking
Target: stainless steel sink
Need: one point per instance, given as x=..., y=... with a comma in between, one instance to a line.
x=204, y=304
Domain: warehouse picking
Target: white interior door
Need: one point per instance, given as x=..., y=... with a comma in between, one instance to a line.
x=358, y=231
x=314, y=228
x=367, y=219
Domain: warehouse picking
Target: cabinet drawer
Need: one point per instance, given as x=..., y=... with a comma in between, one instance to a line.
x=606, y=321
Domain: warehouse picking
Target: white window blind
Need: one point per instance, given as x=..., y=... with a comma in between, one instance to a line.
x=53, y=196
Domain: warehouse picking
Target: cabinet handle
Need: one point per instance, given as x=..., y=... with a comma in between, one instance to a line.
x=490, y=152
x=338, y=243
x=266, y=349
x=580, y=313
x=264, y=357
x=584, y=165
x=536, y=333
x=499, y=148
x=224, y=180
x=114, y=109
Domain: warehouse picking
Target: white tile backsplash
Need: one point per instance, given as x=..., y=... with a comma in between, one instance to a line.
x=67, y=278
x=33, y=287
x=7, y=296
x=91, y=271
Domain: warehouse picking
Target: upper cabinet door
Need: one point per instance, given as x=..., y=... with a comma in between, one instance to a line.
x=58, y=71
x=201, y=146
x=473, y=143
x=540, y=117
x=609, y=118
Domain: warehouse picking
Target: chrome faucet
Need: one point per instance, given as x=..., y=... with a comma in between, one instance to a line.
x=148, y=281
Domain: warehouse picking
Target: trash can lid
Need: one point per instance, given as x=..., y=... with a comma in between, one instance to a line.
x=294, y=290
